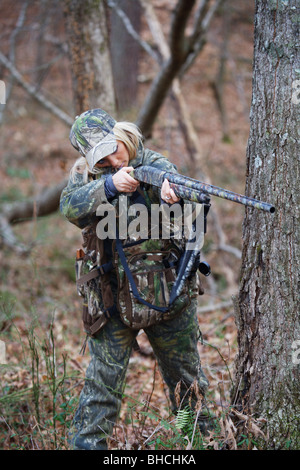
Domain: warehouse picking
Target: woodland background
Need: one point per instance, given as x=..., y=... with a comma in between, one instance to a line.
x=42, y=371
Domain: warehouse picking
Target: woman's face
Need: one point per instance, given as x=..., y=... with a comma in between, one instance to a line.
x=118, y=159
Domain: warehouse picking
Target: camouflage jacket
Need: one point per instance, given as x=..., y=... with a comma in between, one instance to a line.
x=79, y=200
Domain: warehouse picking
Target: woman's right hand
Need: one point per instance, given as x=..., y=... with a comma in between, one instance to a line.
x=123, y=182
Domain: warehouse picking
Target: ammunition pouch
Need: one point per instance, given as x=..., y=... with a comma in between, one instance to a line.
x=93, y=282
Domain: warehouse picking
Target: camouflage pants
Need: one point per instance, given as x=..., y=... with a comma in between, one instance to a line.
x=174, y=343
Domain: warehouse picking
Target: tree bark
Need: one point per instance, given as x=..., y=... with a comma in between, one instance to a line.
x=125, y=53
x=267, y=364
x=87, y=37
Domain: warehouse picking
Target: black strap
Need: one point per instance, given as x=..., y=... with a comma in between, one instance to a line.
x=169, y=264
x=131, y=280
x=105, y=268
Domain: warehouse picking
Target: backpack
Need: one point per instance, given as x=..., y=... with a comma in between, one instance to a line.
x=145, y=273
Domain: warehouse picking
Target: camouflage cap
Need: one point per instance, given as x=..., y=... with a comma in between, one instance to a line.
x=92, y=135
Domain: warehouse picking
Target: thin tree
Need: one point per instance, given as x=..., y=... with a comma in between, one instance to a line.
x=87, y=37
x=125, y=65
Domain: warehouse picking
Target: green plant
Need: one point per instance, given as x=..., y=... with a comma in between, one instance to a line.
x=165, y=435
x=54, y=382
x=247, y=441
x=187, y=422
x=35, y=360
x=35, y=404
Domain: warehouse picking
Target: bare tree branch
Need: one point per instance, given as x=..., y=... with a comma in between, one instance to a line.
x=197, y=41
x=183, y=114
x=35, y=94
x=213, y=307
x=24, y=211
x=46, y=202
x=12, y=41
x=183, y=51
x=179, y=47
x=130, y=29
x=169, y=69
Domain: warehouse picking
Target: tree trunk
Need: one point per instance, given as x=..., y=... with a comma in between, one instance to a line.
x=125, y=52
x=267, y=365
x=87, y=38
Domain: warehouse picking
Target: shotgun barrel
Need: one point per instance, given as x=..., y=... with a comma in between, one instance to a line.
x=194, y=190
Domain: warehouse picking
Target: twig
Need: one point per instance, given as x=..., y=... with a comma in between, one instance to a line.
x=35, y=94
x=212, y=308
x=190, y=446
x=230, y=249
x=223, y=245
x=147, y=403
x=221, y=356
x=158, y=428
x=19, y=25
x=198, y=39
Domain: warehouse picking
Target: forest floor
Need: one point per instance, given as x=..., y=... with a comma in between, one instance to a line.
x=42, y=370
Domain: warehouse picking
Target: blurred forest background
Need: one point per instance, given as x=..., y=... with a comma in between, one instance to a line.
x=42, y=370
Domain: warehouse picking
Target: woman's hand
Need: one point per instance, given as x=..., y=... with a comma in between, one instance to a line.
x=167, y=194
x=123, y=182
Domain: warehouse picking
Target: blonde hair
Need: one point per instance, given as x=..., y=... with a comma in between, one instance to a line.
x=126, y=132
x=130, y=135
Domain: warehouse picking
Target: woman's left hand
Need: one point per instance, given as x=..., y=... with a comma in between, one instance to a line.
x=167, y=194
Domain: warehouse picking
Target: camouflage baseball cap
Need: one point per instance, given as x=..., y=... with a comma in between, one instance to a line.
x=92, y=135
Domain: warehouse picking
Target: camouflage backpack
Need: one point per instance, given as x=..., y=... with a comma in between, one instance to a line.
x=146, y=272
